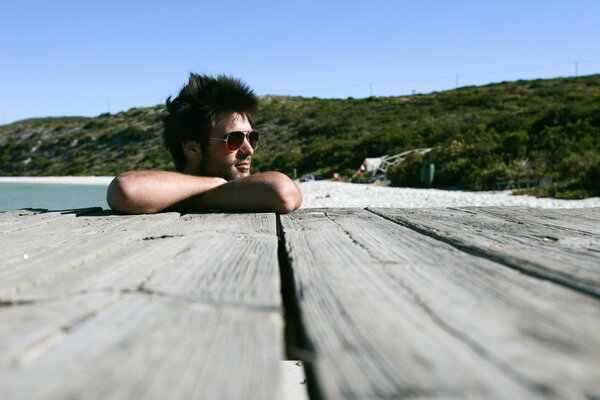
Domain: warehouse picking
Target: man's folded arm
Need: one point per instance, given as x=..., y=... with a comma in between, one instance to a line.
x=141, y=192
x=145, y=192
x=264, y=192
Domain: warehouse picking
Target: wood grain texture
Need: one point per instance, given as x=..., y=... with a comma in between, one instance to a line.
x=46, y=252
x=392, y=313
x=229, y=259
x=29, y=329
x=154, y=348
x=17, y=216
x=56, y=230
x=531, y=244
x=395, y=305
x=112, y=306
x=28, y=218
x=580, y=220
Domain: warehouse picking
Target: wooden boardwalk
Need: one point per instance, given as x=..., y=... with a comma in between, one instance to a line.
x=477, y=303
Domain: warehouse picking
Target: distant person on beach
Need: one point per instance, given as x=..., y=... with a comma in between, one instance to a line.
x=208, y=131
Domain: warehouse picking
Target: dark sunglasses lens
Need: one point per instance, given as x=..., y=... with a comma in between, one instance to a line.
x=253, y=139
x=235, y=140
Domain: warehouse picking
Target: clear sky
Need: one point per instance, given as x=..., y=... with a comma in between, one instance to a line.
x=67, y=58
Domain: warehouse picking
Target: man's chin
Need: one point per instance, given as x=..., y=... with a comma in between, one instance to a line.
x=240, y=173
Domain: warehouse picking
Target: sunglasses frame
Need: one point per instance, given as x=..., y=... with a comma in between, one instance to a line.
x=246, y=137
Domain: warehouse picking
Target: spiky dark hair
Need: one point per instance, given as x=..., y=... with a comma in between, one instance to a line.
x=200, y=104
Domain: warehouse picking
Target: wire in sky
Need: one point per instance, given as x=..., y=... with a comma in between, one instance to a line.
x=576, y=65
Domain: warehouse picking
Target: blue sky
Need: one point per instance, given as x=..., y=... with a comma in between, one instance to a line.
x=67, y=58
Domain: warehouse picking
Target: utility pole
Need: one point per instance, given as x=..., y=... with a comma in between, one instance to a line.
x=456, y=81
x=576, y=68
x=370, y=89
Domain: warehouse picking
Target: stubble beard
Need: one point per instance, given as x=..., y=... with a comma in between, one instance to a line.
x=225, y=170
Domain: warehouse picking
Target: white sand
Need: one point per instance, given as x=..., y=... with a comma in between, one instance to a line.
x=341, y=194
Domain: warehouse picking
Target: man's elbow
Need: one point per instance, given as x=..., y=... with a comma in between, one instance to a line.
x=289, y=197
x=123, y=195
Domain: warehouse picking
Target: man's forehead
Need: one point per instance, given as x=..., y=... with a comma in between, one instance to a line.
x=233, y=122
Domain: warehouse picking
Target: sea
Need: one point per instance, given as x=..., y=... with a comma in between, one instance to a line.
x=15, y=196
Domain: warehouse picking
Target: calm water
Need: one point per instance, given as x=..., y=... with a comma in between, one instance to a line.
x=14, y=196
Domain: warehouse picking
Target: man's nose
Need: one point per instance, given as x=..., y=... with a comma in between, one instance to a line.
x=246, y=149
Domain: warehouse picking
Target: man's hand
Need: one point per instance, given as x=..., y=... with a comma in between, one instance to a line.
x=141, y=192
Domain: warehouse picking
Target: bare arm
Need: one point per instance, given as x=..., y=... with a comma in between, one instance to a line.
x=265, y=192
x=144, y=192
x=153, y=191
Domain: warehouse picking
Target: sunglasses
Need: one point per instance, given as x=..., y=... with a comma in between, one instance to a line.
x=234, y=140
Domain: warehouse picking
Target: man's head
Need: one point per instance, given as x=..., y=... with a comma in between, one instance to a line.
x=198, y=121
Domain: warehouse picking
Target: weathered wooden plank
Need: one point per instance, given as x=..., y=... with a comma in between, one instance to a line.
x=579, y=220
x=36, y=234
x=17, y=215
x=63, y=247
x=237, y=262
x=29, y=329
x=392, y=313
x=221, y=258
x=150, y=347
x=219, y=293
x=26, y=219
x=562, y=255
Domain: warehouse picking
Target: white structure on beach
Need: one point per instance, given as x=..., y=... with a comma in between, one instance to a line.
x=381, y=164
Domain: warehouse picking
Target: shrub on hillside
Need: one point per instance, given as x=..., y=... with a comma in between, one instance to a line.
x=408, y=172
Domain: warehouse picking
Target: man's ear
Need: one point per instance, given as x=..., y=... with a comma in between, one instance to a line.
x=191, y=149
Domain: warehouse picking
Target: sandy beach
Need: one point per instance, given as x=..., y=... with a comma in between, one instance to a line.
x=342, y=194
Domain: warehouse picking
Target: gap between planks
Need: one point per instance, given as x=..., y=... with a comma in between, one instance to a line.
x=298, y=345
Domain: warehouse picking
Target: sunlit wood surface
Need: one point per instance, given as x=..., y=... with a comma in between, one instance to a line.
x=378, y=303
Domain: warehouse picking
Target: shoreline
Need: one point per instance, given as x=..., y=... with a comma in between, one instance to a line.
x=344, y=194
x=58, y=180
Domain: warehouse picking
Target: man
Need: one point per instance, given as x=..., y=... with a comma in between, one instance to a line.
x=208, y=130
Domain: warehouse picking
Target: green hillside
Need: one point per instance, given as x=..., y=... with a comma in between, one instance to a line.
x=480, y=136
